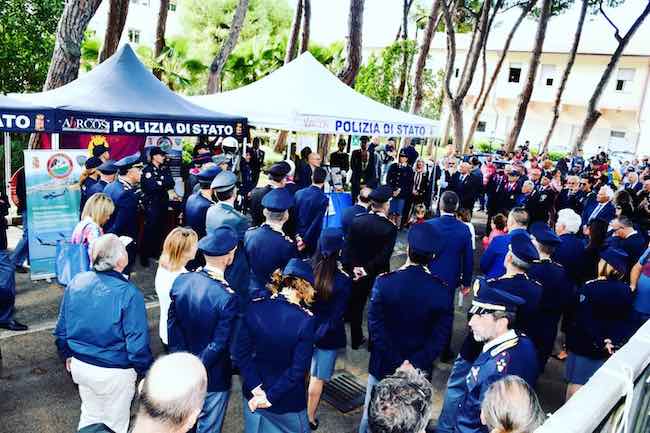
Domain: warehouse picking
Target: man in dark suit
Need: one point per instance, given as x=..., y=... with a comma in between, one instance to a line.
x=600, y=207
x=277, y=179
x=368, y=249
x=257, y=160
x=467, y=186
x=311, y=205
x=361, y=206
x=455, y=259
x=362, y=164
x=570, y=253
x=626, y=238
x=568, y=197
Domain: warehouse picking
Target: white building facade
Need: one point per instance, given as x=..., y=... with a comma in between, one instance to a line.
x=141, y=21
x=625, y=103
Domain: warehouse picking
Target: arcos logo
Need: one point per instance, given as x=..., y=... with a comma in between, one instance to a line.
x=85, y=124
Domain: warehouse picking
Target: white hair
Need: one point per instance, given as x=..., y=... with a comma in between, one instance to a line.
x=529, y=183
x=106, y=252
x=292, y=167
x=608, y=191
x=569, y=219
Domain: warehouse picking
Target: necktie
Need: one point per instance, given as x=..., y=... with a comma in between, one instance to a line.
x=595, y=212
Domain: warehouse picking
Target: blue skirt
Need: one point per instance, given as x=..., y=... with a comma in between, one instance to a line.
x=263, y=421
x=322, y=363
x=579, y=369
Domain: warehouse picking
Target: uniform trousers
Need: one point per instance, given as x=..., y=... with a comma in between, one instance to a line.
x=453, y=396
x=106, y=394
x=372, y=381
x=213, y=412
x=154, y=226
x=360, y=291
x=264, y=421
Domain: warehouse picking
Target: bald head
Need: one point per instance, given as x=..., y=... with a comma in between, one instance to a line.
x=173, y=392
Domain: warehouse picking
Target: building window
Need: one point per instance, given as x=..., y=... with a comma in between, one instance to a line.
x=134, y=36
x=624, y=79
x=141, y=2
x=456, y=72
x=514, y=74
x=172, y=6
x=548, y=75
x=617, y=134
x=481, y=126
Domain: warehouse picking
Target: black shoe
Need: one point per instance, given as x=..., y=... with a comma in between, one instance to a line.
x=313, y=425
x=14, y=326
x=22, y=269
x=361, y=343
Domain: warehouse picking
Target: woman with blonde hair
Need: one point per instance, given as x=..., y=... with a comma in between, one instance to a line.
x=180, y=247
x=96, y=212
x=510, y=406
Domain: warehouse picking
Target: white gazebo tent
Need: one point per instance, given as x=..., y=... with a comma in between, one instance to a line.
x=304, y=96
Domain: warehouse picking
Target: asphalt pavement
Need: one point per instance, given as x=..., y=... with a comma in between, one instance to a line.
x=38, y=395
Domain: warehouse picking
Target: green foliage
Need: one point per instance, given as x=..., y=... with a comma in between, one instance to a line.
x=18, y=144
x=90, y=49
x=27, y=29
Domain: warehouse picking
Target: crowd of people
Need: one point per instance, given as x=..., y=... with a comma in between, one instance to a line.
x=253, y=284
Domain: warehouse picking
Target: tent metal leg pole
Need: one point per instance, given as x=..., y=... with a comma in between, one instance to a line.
x=7, y=144
x=55, y=141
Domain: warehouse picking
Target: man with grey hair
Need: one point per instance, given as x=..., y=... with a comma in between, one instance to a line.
x=570, y=253
x=103, y=336
x=601, y=207
x=401, y=403
x=172, y=394
x=510, y=404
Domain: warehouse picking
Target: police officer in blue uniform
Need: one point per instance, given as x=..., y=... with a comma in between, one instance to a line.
x=106, y=175
x=558, y=291
x=124, y=221
x=224, y=214
x=277, y=179
x=201, y=321
x=156, y=181
x=400, y=177
x=311, y=205
x=410, y=314
x=197, y=205
x=267, y=247
x=368, y=249
x=521, y=254
x=90, y=178
x=274, y=349
x=504, y=352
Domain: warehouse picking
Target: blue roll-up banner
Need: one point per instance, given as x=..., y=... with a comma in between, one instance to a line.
x=338, y=202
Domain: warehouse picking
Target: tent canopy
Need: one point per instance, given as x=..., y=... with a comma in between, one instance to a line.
x=121, y=96
x=21, y=116
x=304, y=96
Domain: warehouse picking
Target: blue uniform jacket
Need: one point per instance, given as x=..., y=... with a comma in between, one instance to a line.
x=103, y=322
x=196, y=208
x=311, y=205
x=274, y=349
x=155, y=183
x=266, y=251
x=124, y=221
x=401, y=177
x=602, y=310
x=409, y=318
x=328, y=315
x=515, y=356
x=454, y=263
x=89, y=182
x=348, y=214
x=558, y=292
x=238, y=273
x=571, y=255
x=201, y=321
x=493, y=257
x=96, y=188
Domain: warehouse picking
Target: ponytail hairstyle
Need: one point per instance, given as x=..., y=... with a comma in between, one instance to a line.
x=325, y=267
x=304, y=290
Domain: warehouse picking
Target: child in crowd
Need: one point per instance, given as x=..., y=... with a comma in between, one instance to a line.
x=498, y=225
x=419, y=214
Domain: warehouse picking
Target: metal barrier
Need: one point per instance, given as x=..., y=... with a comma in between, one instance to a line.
x=616, y=398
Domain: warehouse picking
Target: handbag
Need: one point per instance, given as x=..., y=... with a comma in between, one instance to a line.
x=71, y=259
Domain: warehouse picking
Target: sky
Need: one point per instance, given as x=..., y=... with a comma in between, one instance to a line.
x=329, y=21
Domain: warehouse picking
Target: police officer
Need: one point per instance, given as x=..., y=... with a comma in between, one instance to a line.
x=311, y=205
x=400, y=178
x=157, y=180
x=102, y=152
x=88, y=178
x=124, y=221
x=106, y=175
x=368, y=249
x=418, y=337
x=197, y=205
x=277, y=179
x=201, y=321
x=541, y=200
x=274, y=350
x=267, y=247
x=504, y=352
x=521, y=254
x=8, y=294
x=557, y=291
x=224, y=214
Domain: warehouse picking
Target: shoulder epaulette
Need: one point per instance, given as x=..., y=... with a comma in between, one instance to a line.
x=504, y=346
x=258, y=299
x=306, y=310
x=592, y=281
x=339, y=266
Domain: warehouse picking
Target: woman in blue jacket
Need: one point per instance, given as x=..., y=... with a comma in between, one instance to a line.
x=332, y=286
x=273, y=349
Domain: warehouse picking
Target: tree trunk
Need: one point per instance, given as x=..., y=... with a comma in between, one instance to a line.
x=527, y=92
x=292, y=43
x=323, y=145
x=355, y=25
x=592, y=108
x=401, y=88
x=456, y=111
x=565, y=74
x=161, y=26
x=484, y=96
x=432, y=24
x=306, y=21
x=117, y=12
x=64, y=66
x=216, y=68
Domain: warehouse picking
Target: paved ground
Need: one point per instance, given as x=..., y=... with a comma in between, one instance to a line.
x=39, y=396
